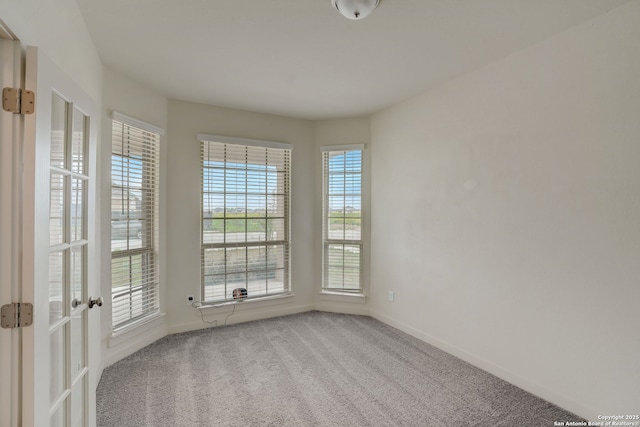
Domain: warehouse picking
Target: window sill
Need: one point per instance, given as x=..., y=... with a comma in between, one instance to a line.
x=269, y=300
x=141, y=326
x=356, y=298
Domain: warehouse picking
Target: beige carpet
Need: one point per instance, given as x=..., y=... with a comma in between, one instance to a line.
x=311, y=369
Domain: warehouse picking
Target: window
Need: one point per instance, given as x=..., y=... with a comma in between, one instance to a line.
x=244, y=218
x=134, y=220
x=342, y=218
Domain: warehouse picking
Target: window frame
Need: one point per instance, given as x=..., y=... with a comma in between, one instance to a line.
x=284, y=174
x=143, y=294
x=327, y=242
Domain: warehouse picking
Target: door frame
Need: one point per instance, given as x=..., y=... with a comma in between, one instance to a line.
x=11, y=124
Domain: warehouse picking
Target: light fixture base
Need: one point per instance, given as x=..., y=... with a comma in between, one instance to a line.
x=355, y=9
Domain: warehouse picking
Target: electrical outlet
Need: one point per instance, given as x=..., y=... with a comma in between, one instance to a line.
x=190, y=299
x=390, y=296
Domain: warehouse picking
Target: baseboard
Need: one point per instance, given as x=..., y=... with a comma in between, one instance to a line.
x=135, y=343
x=524, y=383
x=241, y=317
x=329, y=307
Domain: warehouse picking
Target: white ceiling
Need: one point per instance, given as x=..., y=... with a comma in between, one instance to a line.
x=301, y=58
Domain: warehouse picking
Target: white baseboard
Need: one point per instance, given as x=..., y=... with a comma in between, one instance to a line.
x=241, y=317
x=130, y=346
x=329, y=307
x=517, y=380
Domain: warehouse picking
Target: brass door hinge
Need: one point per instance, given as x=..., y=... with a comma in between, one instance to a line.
x=16, y=315
x=18, y=101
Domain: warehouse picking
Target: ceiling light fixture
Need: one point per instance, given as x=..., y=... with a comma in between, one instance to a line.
x=355, y=9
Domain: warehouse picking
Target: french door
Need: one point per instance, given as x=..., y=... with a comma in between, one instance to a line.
x=60, y=254
x=67, y=262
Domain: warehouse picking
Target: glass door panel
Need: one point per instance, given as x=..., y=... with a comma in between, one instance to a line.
x=78, y=142
x=58, y=131
x=77, y=349
x=77, y=404
x=77, y=276
x=67, y=264
x=56, y=283
x=57, y=201
x=58, y=417
x=57, y=353
x=77, y=209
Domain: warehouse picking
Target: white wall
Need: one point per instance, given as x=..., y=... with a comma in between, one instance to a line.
x=126, y=96
x=58, y=30
x=186, y=120
x=353, y=130
x=506, y=216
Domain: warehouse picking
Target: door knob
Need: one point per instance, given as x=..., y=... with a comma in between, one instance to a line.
x=96, y=301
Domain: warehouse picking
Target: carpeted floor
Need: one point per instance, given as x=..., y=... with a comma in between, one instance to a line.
x=311, y=369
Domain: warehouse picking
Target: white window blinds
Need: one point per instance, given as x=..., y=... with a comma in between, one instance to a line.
x=342, y=218
x=244, y=218
x=134, y=220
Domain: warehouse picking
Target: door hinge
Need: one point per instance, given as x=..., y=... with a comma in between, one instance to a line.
x=18, y=101
x=16, y=315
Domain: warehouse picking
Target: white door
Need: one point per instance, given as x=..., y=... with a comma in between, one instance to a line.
x=10, y=127
x=60, y=252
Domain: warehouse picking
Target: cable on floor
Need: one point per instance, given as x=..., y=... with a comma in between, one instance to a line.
x=201, y=306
